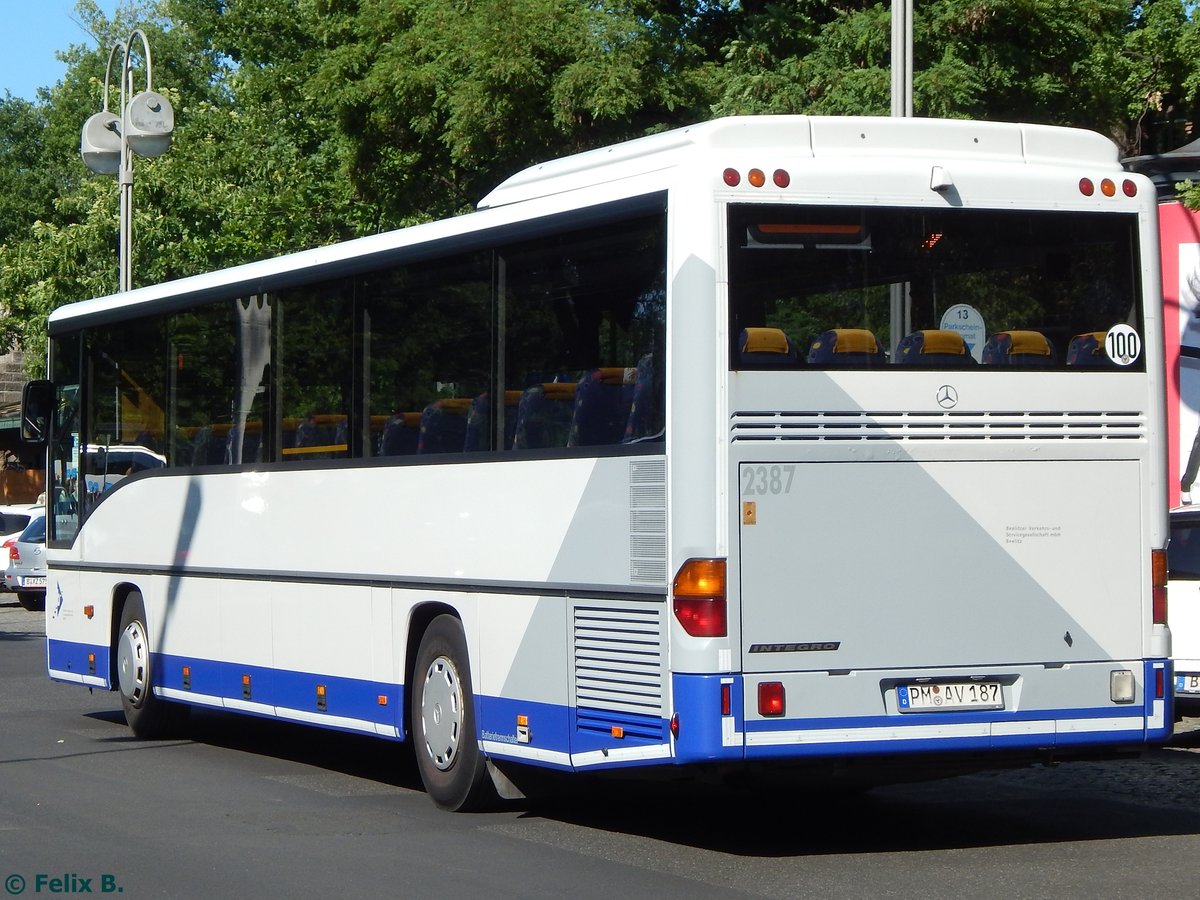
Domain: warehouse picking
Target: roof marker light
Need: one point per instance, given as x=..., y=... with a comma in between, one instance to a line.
x=732, y=177
x=756, y=177
x=1108, y=188
x=1086, y=187
x=1129, y=187
x=781, y=178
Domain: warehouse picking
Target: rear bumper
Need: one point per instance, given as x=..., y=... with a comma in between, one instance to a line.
x=1062, y=710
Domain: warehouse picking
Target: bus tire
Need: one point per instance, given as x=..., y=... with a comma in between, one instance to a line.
x=147, y=716
x=32, y=600
x=451, y=764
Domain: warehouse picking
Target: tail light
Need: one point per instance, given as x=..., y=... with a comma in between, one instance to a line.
x=1158, y=573
x=699, y=591
x=771, y=699
x=12, y=552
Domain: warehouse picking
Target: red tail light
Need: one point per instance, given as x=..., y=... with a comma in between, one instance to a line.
x=13, y=553
x=699, y=592
x=770, y=699
x=1158, y=573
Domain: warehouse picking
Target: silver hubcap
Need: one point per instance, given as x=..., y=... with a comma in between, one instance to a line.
x=441, y=713
x=133, y=663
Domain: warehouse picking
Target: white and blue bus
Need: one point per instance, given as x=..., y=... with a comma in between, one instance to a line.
x=773, y=445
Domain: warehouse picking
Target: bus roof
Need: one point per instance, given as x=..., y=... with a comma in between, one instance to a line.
x=815, y=137
x=729, y=139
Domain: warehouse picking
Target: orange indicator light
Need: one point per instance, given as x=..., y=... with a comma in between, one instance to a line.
x=756, y=177
x=618, y=731
x=383, y=699
x=89, y=611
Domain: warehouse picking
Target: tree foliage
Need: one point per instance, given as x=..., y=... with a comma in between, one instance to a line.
x=301, y=122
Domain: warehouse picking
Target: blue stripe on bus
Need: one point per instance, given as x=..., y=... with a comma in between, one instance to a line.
x=348, y=698
x=705, y=734
x=68, y=656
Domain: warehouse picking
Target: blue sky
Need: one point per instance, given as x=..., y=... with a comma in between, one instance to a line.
x=36, y=29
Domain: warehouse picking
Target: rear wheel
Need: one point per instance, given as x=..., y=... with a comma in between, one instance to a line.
x=443, y=721
x=32, y=600
x=147, y=715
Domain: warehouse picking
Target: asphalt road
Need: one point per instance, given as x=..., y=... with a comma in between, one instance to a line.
x=251, y=808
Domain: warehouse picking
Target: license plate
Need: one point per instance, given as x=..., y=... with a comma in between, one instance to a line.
x=1187, y=684
x=33, y=581
x=939, y=696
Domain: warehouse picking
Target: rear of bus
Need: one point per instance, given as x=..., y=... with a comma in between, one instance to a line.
x=944, y=452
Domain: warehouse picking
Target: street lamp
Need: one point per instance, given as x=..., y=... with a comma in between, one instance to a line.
x=109, y=141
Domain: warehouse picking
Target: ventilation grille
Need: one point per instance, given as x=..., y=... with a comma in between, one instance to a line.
x=619, y=670
x=648, y=521
x=939, y=426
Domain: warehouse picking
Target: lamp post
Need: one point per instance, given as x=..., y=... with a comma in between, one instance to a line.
x=109, y=141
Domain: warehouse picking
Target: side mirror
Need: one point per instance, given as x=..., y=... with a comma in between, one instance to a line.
x=37, y=406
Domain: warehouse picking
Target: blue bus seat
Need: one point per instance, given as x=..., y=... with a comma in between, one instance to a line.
x=544, y=415
x=444, y=426
x=479, y=421
x=846, y=347
x=1088, y=350
x=1019, y=348
x=401, y=434
x=603, y=399
x=645, y=414
x=768, y=348
x=934, y=347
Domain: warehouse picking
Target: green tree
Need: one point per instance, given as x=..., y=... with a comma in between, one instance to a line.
x=441, y=101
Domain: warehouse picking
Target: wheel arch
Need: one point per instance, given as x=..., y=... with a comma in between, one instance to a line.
x=418, y=622
x=120, y=594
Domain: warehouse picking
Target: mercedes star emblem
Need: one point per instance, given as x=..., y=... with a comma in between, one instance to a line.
x=947, y=397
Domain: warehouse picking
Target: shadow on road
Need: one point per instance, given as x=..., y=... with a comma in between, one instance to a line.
x=1157, y=794
x=375, y=759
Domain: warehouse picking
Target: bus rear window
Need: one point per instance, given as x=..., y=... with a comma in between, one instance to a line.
x=828, y=287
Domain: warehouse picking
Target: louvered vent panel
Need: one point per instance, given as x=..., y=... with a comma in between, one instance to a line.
x=619, y=669
x=939, y=426
x=648, y=521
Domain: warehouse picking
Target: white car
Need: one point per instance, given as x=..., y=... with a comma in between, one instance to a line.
x=13, y=519
x=26, y=572
x=1183, y=606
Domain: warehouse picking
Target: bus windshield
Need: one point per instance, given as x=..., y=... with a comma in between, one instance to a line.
x=895, y=285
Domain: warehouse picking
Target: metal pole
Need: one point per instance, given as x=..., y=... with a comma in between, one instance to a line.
x=902, y=108
x=105, y=141
x=902, y=48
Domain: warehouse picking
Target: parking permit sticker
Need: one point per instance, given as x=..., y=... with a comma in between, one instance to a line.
x=1122, y=345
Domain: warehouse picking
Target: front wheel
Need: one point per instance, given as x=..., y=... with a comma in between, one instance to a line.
x=148, y=716
x=451, y=764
